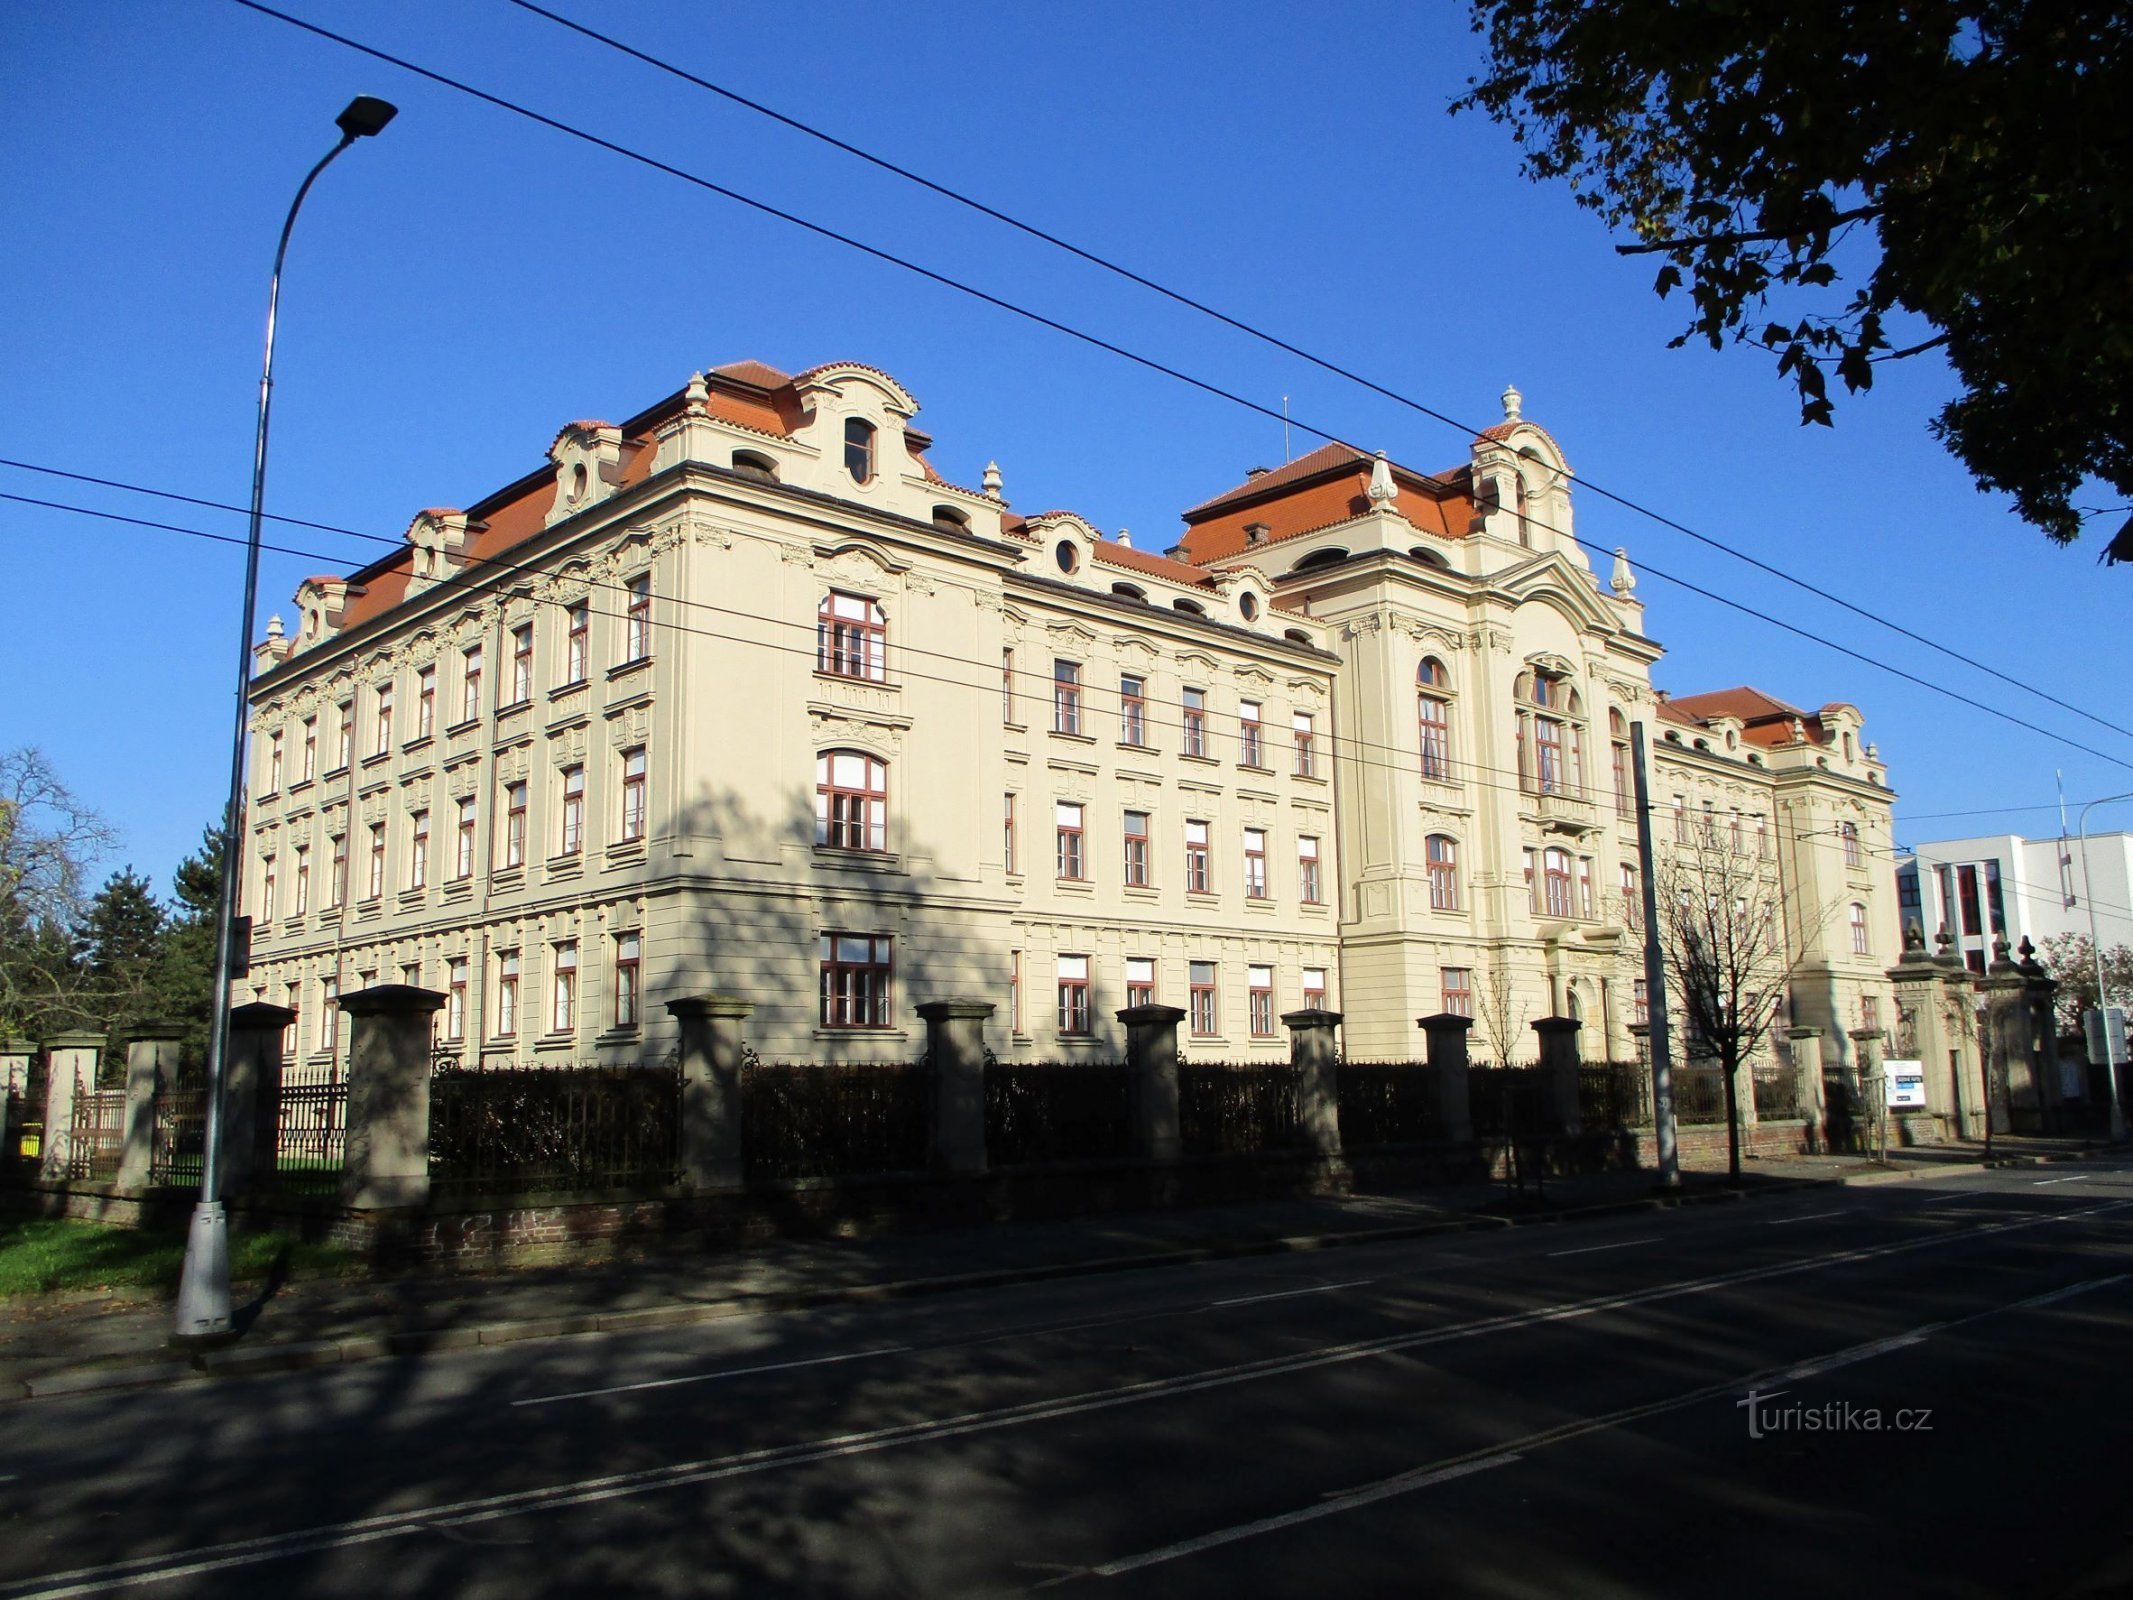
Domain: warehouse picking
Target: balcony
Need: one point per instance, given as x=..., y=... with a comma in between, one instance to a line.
x=1559, y=811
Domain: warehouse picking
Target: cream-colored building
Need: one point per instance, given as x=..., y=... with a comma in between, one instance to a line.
x=742, y=696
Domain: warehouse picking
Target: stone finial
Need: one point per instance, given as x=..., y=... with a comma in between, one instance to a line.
x=1914, y=942
x=1381, y=490
x=699, y=396
x=2000, y=947
x=274, y=631
x=1799, y=731
x=990, y=483
x=1125, y=538
x=1624, y=582
x=1512, y=401
x=1944, y=948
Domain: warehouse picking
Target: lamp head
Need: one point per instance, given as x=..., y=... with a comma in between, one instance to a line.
x=366, y=115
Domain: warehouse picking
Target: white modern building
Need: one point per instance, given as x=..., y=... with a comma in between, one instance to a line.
x=1982, y=888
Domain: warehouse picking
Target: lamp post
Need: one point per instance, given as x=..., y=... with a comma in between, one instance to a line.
x=204, y=1285
x=2088, y=890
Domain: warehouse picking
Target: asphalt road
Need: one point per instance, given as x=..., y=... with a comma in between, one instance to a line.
x=1939, y=1373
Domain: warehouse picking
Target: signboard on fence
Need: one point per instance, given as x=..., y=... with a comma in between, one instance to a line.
x=1906, y=1084
x=2106, y=1030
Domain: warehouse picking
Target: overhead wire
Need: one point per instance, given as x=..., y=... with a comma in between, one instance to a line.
x=1041, y=319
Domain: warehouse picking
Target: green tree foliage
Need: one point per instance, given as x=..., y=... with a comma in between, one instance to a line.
x=2071, y=959
x=188, y=955
x=1847, y=182
x=119, y=951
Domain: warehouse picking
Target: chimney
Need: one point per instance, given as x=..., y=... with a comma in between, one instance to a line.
x=1256, y=532
x=1250, y=473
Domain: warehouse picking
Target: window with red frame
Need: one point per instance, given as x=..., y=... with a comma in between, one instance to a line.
x=855, y=980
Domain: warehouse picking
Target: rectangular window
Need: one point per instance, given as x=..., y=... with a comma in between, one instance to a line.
x=1585, y=901
x=1555, y=874
x=309, y=769
x=1259, y=984
x=1067, y=820
x=563, y=1012
x=273, y=761
x=1140, y=980
x=522, y=663
x=1859, y=943
x=1442, y=861
x=1010, y=844
x=1251, y=735
x=1007, y=687
x=455, y=999
x=463, y=859
x=1308, y=888
x=1306, y=746
x=1548, y=739
x=851, y=635
x=626, y=976
x=637, y=619
x=337, y=874
x=1066, y=697
x=1133, y=711
x=1532, y=882
x=1200, y=983
x=1762, y=838
x=1848, y=832
x=1436, y=726
x=470, y=683
x=375, y=883
x=633, y=797
x=1870, y=1012
x=1625, y=788
x=1194, y=730
x=851, y=801
x=1995, y=900
x=381, y=716
x=418, y=850
x=425, y=702
x=1710, y=825
x=1137, y=849
x=1014, y=991
x=514, y=825
x=1255, y=863
x=1457, y=988
x=1196, y=874
x=1632, y=899
x=266, y=889
x=1074, y=994
x=506, y=993
x=1681, y=821
x=329, y=1014
x=577, y=639
x=1973, y=922
x=344, y=734
x=855, y=981
x=573, y=839
x=1314, y=988
x=1734, y=841
x=1640, y=1001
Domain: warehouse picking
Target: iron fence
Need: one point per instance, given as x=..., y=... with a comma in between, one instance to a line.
x=1507, y=1103
x=800, y=1120
x=1700, y=1092
x=1390, y=1102
x=544, y=1128
x=1235, y=1108
x=97, y=1132
x=311, y=1136
x=1777, y=1092
x=1057, y=1111
x=180, y=1150
x=1614, y=1094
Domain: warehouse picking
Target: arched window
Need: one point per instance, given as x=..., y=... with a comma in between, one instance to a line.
x=1859, y=946
x=949, y=520
x=851, y=801
x=1525, y=531
x=1849, y=833
x=1330, y=556
x=859, y=449
x=1555, y=883
x=754, y=464
x=1443, y=873
x=1128, y=591
x=1550, y=754
x=1625, y=782
x=1434, y=715
x=1191, y=608
x=850, y=637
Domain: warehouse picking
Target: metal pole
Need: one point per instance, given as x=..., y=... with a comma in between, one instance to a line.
x=203, y=1310
x=2103, y=1021
x=1654, y=977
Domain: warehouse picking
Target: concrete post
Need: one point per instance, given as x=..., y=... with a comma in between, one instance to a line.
x=1874, y=1089
x=70, y=1064
x=251, y=1095
x=1445, y=1036
x=711, y=1052
x=388, y=1095
x=1806, y=1046
x=1922, y=1011
x=1965, y=1062
x=2039, y=995
x=151, y=1069
x=955, y=1053
x=1318, y=1100
x=1559, y=1062
x=1152, y=1052
x=2010, y=1082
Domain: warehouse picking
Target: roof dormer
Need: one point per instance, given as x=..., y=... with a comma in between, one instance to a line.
x=588, y=466
x=321, y=602
x=439, y=540
x=1522, y=483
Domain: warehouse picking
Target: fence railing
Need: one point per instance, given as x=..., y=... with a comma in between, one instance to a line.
x=1700, y=1093
x=1227, y=1108
x=1057, y=1111
x=311, y=1136
x=1614, y=1094
x=1390, y=1102
x=853, y=1120
x=96, y=1136
x=1777, y=1092
x=533, y=1128
x=180, y=1149
x=1507, y=1102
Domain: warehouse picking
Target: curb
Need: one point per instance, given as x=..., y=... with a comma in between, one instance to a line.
x=300, y=1355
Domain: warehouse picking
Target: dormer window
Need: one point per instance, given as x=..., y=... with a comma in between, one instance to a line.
x=1067, y=554
x=753, y=465
x=859, y=449
x=1255, y=533
x=1248, y=607
x=577, y=483
x=950, y=520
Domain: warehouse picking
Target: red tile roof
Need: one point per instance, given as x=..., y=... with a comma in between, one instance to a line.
x=1113, y=554
x=759, y=373
x=1326, y=455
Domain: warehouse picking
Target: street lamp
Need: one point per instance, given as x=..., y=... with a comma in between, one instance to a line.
x=2088, y=890
x=204, y=1286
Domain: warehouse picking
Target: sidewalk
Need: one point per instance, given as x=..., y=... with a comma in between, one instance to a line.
x=75, y=1344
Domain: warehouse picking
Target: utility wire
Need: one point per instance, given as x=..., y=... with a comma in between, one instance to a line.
x=1275, y=341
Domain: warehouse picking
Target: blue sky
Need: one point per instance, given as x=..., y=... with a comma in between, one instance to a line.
x=465, y=284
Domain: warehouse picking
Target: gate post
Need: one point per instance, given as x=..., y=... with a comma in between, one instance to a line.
x=251, y=1095
x=1152, y=1053
x=955, y=1099
x=151, y=1066
x=1318, y=1100
x=711, y=1052
x=1445, y=1036
x=70, y=1063
x=388, y=1095
x=1559, y=1063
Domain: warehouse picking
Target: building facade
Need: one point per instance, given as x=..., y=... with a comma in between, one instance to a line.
x=742, y=696
x=2002, y=885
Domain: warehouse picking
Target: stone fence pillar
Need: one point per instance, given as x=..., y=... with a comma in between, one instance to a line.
x=251, y=1095
x=1805, y=1043
x=70, y=1064
x=1152, y=1052
x=1922, y=1026
x=151, y=1065
x=1445, y=1044
x=2040, y=995
x=15, y=1056
x=955, y=1053
x=2010, y=1074
x=1318, y=1100
x=1559, y=1063
x=388, y=1095
x=711, y=1052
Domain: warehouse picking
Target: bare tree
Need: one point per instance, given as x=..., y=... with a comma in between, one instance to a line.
x=1500, y=1009
x=1730, y=958
x=2071, y=959
x=49, y=840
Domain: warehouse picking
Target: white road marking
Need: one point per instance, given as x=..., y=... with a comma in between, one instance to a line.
x=1812, y=1216
x=1951, y=1199
x=2042, y=1183
x=1594, y=1249
x=2068, y=1293
x=1287, y=1294
x=1863, y=1352
x=137, y=1570
x=712, y=1377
